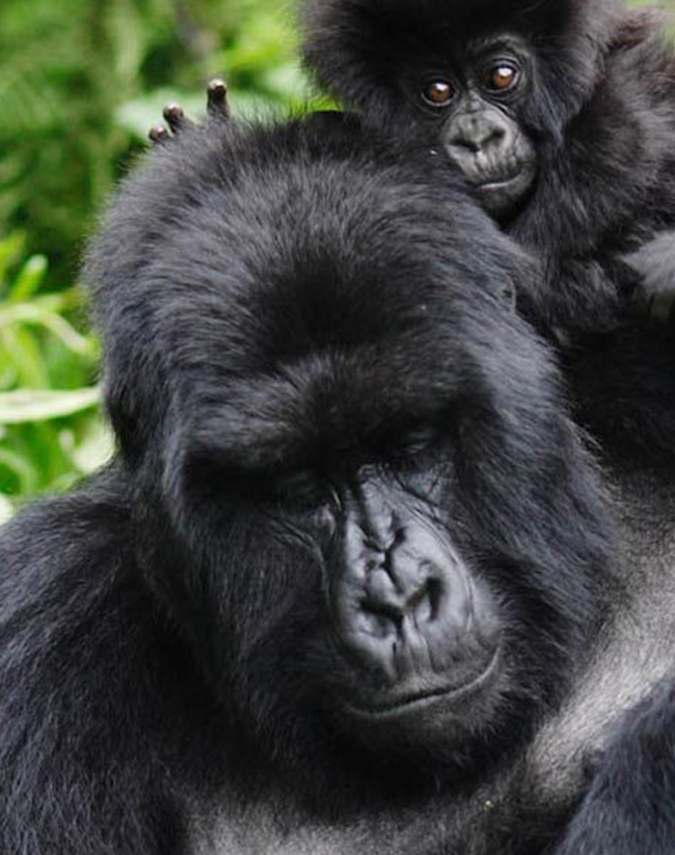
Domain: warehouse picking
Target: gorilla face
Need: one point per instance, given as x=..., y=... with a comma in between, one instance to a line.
x=346, y=507
x=474, y=106
x=356, y=453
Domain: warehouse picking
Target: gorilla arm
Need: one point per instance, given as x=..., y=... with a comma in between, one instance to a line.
x=627, y=758
x=80, y=667
x=623, y=709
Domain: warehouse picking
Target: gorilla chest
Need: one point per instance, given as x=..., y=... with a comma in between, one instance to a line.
x=260, y=832
x=477, y=825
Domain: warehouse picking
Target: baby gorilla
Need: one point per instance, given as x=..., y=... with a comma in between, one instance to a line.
x=559, y=113
x=345, y=587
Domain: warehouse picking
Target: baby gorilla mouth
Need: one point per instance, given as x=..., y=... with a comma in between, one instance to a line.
x=501, y=179
x=501, y=193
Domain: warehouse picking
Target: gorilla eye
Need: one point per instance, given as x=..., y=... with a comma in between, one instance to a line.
x=300, y=490
x=412, y=443
x=502, y=77
x=438, y=93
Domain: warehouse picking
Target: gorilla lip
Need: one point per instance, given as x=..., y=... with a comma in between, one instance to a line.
x=415, y=700
x=499, y=183
x=501, y=194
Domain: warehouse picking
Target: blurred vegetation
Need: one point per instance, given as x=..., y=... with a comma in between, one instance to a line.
x=50, y=430
x=81, y=81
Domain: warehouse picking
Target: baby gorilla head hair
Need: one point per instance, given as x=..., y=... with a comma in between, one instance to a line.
x=491, y=83
x=357, y=490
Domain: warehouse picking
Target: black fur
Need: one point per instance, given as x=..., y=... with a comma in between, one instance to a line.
x=601, y=114
x=265, y=296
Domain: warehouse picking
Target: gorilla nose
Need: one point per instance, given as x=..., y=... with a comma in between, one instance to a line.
x=405, y=618
x=387, y=605
x=406, y=610
x=476, y=133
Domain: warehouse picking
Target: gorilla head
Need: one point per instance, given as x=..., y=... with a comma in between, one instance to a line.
x=356, y=488
x=559, y=114
x=491, y=82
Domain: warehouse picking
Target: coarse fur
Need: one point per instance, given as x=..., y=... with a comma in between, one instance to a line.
x=600, y=113
x=277, y=303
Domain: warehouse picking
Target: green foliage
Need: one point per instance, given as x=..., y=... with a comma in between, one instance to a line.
x=81, y=82
x=50, y=430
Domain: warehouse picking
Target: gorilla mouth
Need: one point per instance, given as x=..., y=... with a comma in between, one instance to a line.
x=522, y=176
x=499, y=181
x=486, y=172
x=499, y=194
x=399, y=704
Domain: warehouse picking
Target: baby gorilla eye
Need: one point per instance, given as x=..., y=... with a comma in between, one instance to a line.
x=502, y=77
x=438, y=92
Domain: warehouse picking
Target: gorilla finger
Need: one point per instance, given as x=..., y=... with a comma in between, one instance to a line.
x=159, y=134
x=216, y=99
x=175, y=117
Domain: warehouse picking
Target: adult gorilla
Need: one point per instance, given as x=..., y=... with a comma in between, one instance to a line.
x=345, y=588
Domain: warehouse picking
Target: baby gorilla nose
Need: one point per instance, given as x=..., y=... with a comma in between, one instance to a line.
x=474, y=133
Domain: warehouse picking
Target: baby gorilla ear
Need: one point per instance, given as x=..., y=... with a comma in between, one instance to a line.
x=217, y=108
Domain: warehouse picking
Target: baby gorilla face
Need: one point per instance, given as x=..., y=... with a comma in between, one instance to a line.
x=470, y=105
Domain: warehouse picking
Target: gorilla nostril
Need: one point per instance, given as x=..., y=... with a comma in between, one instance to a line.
x=476, y=137
x=383, y=611
x=495, y=140
x=490, y=138
x=462, y=145
x=398, y=537
x=380, y=621
x=425, y=603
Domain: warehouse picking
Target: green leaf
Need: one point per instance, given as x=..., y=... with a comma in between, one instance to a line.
x=96, y=449
x=38, y=313
x=29, y=279
x=288, y=81
x=6, y=509
x=21, y=351
x=21, y=467
x=11, y=249
x=34, y=405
